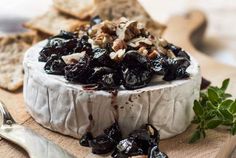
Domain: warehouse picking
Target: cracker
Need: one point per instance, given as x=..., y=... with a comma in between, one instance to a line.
x=40, y=36
x=132, y=9
x=82, y=9
x=12, y=49
x=26, y=37
x=52, y=22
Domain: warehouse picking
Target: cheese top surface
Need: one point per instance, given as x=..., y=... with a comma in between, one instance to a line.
x=31, y=59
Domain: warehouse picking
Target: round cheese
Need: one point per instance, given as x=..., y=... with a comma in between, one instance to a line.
x=69, y=109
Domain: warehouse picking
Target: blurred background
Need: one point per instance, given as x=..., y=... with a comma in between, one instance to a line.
x=220, y=40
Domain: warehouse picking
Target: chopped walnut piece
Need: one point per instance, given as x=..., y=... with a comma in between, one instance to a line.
x=143, y=51
x=121, y=53
x=138, y=42
x=152, y=38
x=140, y=26
x=117, y=56
x=122, y=21
x=102, y=39
x=92, y=32
x=95, y=30
x=73, y=58
x=118, y=44
x=153, y=54
x=82, y=30
x=113, y=56
x=127, y=30
x=103, y=33
x=108, y=27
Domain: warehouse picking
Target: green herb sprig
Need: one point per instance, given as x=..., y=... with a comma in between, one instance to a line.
x=214, y=108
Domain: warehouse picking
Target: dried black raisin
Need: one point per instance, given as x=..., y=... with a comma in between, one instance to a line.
x=134, y=78
x=106, y=142
x=55, y=65
x=85, y=139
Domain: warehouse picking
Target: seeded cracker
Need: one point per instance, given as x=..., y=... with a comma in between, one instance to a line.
x=82, y=9
x=52, y=22
x=39, y=36
x=12, y=49
x=132, y=9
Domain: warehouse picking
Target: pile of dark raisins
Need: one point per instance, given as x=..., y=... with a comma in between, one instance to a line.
x=98, y=69
x=144, y=141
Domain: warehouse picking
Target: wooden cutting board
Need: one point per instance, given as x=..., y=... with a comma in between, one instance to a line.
x=183, y=31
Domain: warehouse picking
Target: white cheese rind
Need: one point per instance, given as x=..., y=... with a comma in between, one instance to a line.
x=68, y=109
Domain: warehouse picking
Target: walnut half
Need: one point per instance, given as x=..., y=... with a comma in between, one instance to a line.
x=127, y=30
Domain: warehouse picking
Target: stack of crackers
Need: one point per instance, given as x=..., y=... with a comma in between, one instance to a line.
x=66, y=15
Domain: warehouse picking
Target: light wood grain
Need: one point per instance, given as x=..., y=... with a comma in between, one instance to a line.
x=185, y=31
x=182, y=31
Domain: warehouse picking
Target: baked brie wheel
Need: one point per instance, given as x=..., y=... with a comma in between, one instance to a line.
x=73, y=108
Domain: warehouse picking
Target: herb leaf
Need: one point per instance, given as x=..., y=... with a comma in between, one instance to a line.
x=233, y=129
x=227, y=115
x=225, y=84
x=226, y=103
x=197, y=108
x=214, y=109
x=210, y=105
x=213, y=96
x=195, y=136
x=227, y=95
x=232, y=108
x=213, y=124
